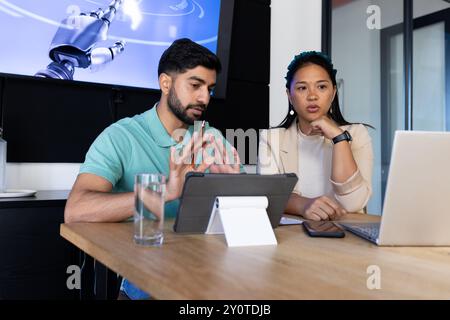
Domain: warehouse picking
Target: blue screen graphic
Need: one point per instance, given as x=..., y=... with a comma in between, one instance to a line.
x=147, y=27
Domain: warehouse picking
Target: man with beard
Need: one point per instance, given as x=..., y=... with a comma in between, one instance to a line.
x=148, y=143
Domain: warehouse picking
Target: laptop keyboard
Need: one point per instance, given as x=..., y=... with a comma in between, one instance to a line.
x=366, y=230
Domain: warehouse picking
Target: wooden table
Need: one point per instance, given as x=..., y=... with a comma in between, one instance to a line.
x=203, y=267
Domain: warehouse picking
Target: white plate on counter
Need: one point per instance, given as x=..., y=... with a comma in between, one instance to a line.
x=17, y=193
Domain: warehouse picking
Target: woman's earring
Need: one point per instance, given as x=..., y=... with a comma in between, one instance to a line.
x=291, y=112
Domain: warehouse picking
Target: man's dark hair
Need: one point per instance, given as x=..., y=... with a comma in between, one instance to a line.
x=185, y=54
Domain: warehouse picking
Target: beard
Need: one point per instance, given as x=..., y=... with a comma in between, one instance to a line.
x=180, y=111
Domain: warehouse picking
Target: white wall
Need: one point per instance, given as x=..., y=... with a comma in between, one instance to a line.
x=394, y=9
x=295, y=27
x=424, y=7
x=41, y=176
x=49, y=176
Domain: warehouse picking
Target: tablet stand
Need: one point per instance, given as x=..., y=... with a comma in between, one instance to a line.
x=243, y=220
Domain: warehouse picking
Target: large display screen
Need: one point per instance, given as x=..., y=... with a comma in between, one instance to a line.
x=101, y=41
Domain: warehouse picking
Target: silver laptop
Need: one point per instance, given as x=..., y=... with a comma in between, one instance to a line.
x=416, y=208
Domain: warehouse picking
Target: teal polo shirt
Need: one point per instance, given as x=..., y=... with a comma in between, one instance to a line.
x=131, y=146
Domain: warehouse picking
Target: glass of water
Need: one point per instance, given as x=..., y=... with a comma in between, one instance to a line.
x=149, y=192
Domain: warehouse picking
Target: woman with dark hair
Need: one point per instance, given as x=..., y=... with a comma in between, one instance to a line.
x=332, y=157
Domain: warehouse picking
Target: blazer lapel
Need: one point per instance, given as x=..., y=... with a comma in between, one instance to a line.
x=289, y=149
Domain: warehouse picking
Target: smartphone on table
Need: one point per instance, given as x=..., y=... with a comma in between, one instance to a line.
x=326, y=229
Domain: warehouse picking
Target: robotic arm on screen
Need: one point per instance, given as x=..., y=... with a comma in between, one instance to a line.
x=74, y=44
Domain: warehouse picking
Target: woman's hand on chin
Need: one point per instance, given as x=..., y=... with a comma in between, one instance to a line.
x=324, y=126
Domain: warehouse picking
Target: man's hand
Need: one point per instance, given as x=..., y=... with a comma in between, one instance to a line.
x=215, y=157
x=182, y=162
x=220, y=161
x=323, y=208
